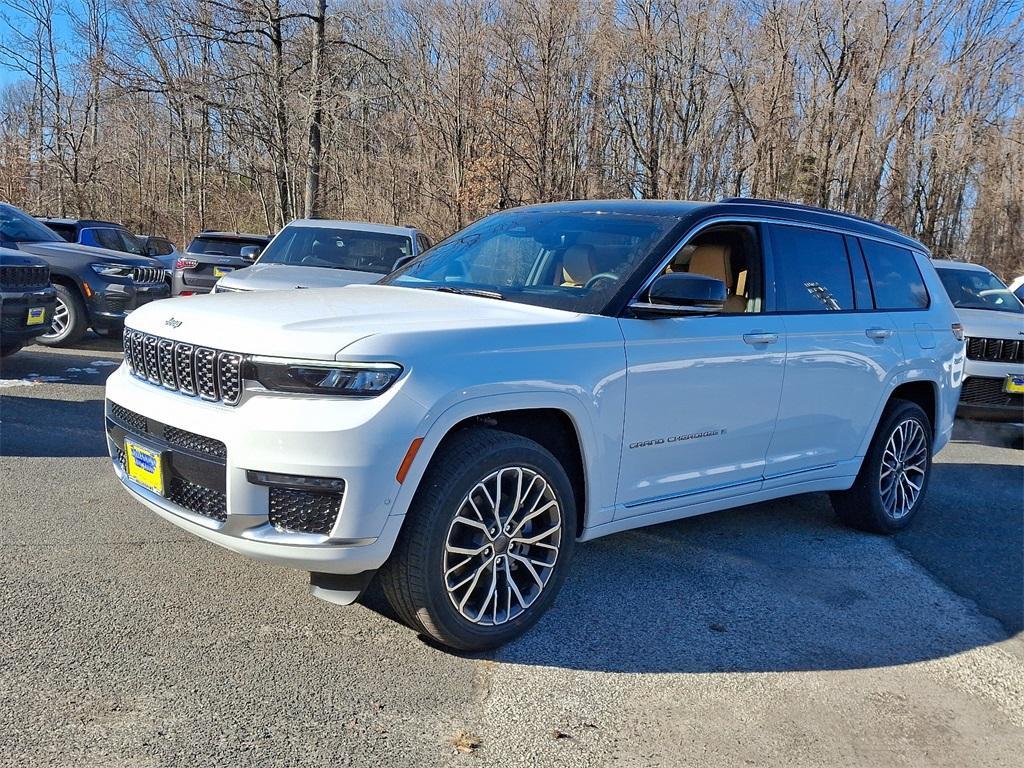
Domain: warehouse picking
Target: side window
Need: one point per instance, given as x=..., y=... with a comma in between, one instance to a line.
x=423, y=241
x=812, y=270
x=732, y=254
x=67, y=231
x=895, y=278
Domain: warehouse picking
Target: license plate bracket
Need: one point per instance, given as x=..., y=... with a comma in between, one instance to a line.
x=35, y=316
x=145, y=466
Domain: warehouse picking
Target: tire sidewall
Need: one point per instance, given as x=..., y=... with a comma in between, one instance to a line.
x=517, y=452
x=892, y=418
x=75, y=327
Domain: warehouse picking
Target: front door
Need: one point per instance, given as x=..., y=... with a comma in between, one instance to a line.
x=702, y=393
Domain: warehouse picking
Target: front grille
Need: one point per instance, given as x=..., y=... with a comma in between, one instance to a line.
x=210, y=373
x=24, y=278
x=983, y=390
x=995, y=350
x=174, y=436
x=148, y=274
x=193, y=442
x=198, y=498
x=303, y=511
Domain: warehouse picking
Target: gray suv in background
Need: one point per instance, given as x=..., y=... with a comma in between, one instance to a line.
x=211, y=256
x=324, y=253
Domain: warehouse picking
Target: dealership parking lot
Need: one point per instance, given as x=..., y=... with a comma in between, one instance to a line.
x=765, y=635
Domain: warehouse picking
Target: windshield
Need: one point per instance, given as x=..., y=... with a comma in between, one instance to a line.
x=18, y=227
x=217, y=246
x=336, y=248
x=975, y=289
x=559, y=259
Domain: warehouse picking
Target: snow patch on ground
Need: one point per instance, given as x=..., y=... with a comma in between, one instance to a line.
x=104, y=363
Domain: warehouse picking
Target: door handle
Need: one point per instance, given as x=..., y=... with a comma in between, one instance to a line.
x=878, y=333
x=760, y=337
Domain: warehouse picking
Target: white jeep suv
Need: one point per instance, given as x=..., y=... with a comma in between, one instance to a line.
x=548, y=375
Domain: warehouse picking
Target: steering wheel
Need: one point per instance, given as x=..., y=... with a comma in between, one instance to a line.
x=599, y=276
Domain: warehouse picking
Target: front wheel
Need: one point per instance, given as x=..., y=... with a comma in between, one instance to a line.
x=69, y=319
x=486, y=544
x=890, y=488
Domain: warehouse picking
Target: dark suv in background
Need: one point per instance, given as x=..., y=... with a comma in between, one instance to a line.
x=96, y=287
x=27, y=300
x=97, y=233
x=212, y=255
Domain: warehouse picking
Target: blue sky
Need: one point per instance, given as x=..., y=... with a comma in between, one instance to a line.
x=62, y=26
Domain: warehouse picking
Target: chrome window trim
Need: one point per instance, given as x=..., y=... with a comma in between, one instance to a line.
x=748, y=219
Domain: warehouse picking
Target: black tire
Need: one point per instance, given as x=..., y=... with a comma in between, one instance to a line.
x=863, y=506
x=6, y=350
x=413, y=579
x=77, y=321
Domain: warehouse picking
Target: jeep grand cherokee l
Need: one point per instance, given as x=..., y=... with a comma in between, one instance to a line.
x=95, y=287
x=548, y=375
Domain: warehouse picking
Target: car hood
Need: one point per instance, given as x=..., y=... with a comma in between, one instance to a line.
x=279, y=277
x=319, y=324
x=58, y=250
x=992, y=324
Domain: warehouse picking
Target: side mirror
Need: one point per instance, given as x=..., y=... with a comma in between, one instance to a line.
x=682, y=293
x=250, y=252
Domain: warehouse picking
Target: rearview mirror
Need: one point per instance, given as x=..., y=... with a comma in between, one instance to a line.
x=401, y=261
x=250, y=252
x=681, y=293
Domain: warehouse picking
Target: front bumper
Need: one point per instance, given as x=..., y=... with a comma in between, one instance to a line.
x=14, y=308
x=983, y=396
x=271, y=433
x=110, y=303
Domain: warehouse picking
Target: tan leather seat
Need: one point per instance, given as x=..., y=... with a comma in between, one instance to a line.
x=713, y=261
x=578, y=265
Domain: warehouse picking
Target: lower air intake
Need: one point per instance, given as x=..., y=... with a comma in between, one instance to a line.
x=304, y=511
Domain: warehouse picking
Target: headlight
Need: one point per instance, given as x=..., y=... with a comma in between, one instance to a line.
x=314, y=377
x=112, y=270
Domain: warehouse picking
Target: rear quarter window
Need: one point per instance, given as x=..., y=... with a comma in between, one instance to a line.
x=812, y=270
x=896, y=280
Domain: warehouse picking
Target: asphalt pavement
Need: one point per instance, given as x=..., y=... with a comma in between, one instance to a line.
x=766, y=635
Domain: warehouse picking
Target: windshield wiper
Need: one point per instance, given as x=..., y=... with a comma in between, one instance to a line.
x=467, y=291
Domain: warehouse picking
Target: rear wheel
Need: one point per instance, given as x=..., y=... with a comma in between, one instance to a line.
x=486, y=544
x=69, y=319
x=891, y=485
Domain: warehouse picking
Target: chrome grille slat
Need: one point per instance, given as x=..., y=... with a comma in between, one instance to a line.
x=184, y=369
x=995, y=350
x=212, y=374
x=206, y=373
x=165, y=357
x=147, y=275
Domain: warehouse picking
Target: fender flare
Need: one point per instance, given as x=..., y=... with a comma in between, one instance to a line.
x=435, y=426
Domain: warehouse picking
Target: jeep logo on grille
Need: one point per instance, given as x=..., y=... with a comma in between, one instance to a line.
x=172, y=322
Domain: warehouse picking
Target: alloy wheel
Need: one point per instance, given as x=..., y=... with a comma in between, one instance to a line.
x=61, y=318
x=502, y=546
x=904, y=465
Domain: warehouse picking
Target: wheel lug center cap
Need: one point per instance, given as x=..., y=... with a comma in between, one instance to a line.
x=501, y=544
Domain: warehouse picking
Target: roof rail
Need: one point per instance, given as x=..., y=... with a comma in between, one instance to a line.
x=803, y=207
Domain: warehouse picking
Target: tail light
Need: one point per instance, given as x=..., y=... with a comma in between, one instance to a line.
x=958, y=331
x=186, y=264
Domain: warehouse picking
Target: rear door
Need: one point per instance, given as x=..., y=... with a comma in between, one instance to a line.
x=840, y=354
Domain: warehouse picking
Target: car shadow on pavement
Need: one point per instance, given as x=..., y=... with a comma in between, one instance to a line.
x=993, y=435
x=766, y=588
x=37, y=426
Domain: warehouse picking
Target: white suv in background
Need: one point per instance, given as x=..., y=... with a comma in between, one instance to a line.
x=993, y=321
x=322, y=253
x=548, y=375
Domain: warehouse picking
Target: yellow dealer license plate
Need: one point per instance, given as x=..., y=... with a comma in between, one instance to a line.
x=1015, y=384
x=36, y=316
x=145, y=466
x=221, y=271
